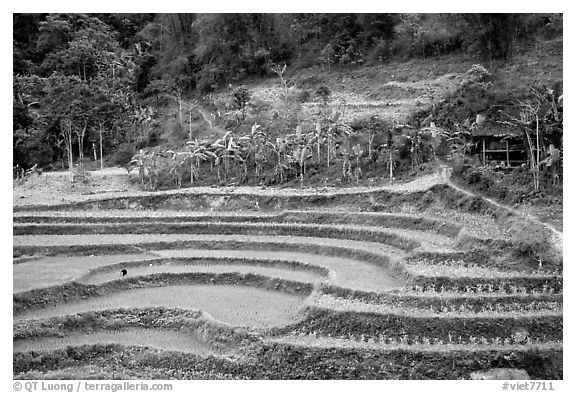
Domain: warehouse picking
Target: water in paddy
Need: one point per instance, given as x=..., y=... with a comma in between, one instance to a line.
x=50, y=271
x=176, y=267
x=346, y=272
x=234, y=305
x=169, y=340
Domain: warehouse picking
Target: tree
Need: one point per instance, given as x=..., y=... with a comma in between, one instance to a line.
x=328, y=56
x=532, y=112
x=241, y=97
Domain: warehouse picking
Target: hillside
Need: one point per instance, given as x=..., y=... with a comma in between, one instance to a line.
x=288, y=196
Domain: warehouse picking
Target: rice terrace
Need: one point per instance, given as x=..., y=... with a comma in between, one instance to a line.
x=366, y=233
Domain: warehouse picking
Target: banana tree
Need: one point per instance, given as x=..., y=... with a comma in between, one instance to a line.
x=334, y=131
x=225, y=149
x=218, y=149
x=251, y=149
x=301, y=155
x=138, y=160
x=178, y=162
x=280, y=150
x=197, y=152
x=318, y=138
x=358, y=152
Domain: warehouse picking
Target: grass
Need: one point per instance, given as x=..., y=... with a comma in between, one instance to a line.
x=236, y=306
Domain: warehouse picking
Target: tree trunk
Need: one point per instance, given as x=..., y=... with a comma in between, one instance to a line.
x=101, y=152
x=328, y=152
x=531, y=157
x=537, y=153
x=391, y=169
x=370, y=140
x=318, y=130
x=190, y=124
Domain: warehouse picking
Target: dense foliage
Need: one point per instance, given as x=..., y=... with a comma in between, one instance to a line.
x=92, y=83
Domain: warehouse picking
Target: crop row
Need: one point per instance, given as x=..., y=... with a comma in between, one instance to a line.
x=420, y=344
x=308, y=230
x=438, y=300
x=288, y=361
x=464, y=310
x=317, y=217
x=459, y=268
x=471, y=285
x=326, y=322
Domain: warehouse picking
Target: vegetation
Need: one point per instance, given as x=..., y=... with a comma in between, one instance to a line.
x=411, y=280
x=103, y=84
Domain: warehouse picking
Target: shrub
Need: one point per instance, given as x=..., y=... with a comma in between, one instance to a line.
x=461, y=163
x=299, y=96
x=123, y=154
x=530, y=241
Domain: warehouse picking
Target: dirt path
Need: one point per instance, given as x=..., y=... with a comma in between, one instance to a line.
x=557, y=236
x=53, y=188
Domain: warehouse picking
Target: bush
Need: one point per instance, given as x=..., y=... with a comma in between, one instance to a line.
x=123, y=154
x=530, y=241
x=462, y=164
x=299, y=96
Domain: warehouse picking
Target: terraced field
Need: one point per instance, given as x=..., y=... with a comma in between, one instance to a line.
x=279, y=286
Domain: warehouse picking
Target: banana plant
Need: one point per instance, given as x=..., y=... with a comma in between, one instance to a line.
x=178, y=161
x=334, y=131
x=358, y=151
x=280, y=150
x=197, y=152
x=139, y=160
x=252, y=148
x=225, y=149
x=218, y=149
x=301, y=155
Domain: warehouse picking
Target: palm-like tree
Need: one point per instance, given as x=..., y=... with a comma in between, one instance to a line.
x=197, y=152
x=251, y=149
x=225, y=149
x=280, y=149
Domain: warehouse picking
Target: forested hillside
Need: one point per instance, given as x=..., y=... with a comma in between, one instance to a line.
x=93, y=86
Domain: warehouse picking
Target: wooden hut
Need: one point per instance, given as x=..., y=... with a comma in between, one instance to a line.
x=500, y=144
